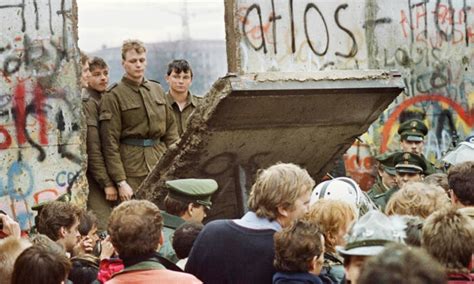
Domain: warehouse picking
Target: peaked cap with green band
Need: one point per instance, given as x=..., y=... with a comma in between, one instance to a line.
x=66, y=197
x=413, y=130
x=407, y=162
x=192, y=190
x=387, y=160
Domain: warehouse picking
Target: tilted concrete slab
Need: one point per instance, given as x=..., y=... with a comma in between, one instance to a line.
x=255, y=120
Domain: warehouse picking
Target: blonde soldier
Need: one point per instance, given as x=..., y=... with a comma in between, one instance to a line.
x=102, y=191
x=179, y=98
x=137, y=126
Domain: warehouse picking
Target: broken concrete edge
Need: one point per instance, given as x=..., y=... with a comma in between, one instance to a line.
x=153, y=187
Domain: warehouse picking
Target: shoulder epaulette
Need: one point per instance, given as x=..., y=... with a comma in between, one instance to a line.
x=155, y=81
x=111, y=87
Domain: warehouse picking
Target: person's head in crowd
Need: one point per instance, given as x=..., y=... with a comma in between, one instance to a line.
x=184, y=237
x=448, y=236
x=409, y=168
x=414, y=225
x=60, y=221
x=344, y=189
x=299, y=248
x=367, y=237
x=39, y=265
x=134, y=60
x=40, y=240
x=135, y=228
x=417, y=199
x=461, y=184
x=386, y=169
x=99, y=75
x=85, y=72
x=439, y=179
x=281, y=193
x=401, y=264
x=10, y=249
x=412, y=136
x=179, y=76
x=190, y=198
x=88, y=228
x=83, y=271
x=334, y=217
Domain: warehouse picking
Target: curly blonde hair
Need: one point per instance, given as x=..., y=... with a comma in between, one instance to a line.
x=332, y=216
x=417, y=199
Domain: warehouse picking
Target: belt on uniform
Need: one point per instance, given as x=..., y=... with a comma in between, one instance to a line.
x=140, y=142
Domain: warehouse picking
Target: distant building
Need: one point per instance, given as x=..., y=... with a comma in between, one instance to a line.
x=207, y=57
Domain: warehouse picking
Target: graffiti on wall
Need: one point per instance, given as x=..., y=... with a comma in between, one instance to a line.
x=39, y=114
x=428, y=41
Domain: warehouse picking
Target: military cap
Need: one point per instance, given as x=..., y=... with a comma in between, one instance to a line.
x=407, y=162
x=192, y=190
x=387, y=160
x=66, y=197
x=413, y=130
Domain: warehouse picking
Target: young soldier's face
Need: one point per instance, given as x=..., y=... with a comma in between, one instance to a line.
x=415, y=147
x=99, y=79
x=134, y=65
x=387, y=179
x=403, y=178
x=179, y=83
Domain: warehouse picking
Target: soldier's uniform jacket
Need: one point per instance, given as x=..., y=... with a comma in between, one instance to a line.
x=96, y=166
x=430, y=167
x=377, y=188
x=170, y=224
x=182, y=116
x=382, y=199
x=137, y=126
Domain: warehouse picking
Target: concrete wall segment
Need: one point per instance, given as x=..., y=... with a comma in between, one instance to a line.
x=41, y=126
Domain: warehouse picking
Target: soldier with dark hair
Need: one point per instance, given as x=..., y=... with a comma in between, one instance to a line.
x=180, y=77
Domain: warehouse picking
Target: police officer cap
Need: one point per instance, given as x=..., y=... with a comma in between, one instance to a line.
x=407, y=162
x=413, y=130
x=66, y=197
x=387, y=160
x=192, y=190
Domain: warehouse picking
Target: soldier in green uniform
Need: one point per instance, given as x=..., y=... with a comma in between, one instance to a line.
x=386, y=175
x=136, y=124
x=409, y=167
x=412, y=139
x=187, y=200
x=179, y=98
x=102, y=190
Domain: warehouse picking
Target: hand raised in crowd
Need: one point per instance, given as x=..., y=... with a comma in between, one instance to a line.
x=83, y=246
x=9, y=226
x=107, y=249
x=111, y=193
x=125, y=191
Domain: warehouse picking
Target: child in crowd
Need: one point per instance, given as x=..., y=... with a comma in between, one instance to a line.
x=299, y=253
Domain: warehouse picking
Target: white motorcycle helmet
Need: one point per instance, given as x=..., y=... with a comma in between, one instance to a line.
x=344, y=189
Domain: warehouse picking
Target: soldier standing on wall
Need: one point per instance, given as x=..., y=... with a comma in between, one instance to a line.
x=179, y=98
x=137, y=126
x=102, y=191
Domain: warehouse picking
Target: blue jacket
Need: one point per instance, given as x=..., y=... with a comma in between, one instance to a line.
x=296, y=278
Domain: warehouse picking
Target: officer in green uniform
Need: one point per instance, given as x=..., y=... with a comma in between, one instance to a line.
x=187, y=201
x=179, y=98
x=412, y=139
x=136, y=124
x=102, y=190
x=409, y=167
x=386, y=175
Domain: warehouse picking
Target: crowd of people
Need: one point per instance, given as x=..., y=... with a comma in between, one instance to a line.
x=415, y=225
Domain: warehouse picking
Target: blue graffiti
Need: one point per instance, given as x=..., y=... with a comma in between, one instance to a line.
x=18, y=168
x=65, y=178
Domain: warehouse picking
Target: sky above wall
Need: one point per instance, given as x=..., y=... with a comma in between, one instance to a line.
x=107, y=23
